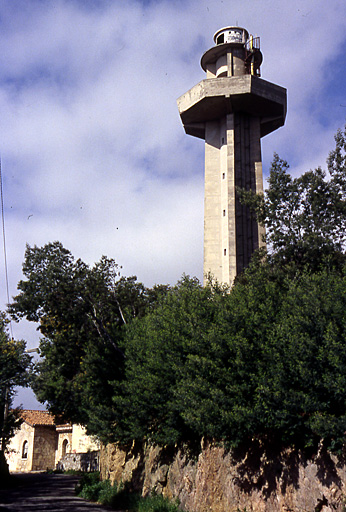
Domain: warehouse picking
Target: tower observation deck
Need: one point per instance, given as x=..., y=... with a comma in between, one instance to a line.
x=231, y=110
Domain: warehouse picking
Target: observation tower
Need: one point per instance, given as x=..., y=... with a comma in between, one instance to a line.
x=231, y=110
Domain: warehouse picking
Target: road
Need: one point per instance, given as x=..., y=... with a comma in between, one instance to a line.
x=41, y=492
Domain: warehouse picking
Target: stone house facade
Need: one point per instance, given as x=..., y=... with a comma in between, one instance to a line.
x=41, y=443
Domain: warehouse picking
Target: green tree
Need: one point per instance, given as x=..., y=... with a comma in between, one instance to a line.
x=14, y=367
x=265, y=361
x=298, y=393
x=157, y=348
x=81, y=312
x=304, y=217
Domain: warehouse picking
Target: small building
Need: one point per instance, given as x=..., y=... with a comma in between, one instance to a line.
x=42, y=443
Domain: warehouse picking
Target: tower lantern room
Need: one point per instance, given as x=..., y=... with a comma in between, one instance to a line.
x=235, y=54
x=231, y=35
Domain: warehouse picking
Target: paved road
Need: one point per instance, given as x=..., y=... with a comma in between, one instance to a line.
x=40, y=492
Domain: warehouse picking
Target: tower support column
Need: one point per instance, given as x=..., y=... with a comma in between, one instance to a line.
x=232, y=159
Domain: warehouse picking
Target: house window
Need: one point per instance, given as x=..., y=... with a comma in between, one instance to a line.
x=223, y=175
x=25, y=450
x=64, y=447
x=224, y=213
x=224, y=252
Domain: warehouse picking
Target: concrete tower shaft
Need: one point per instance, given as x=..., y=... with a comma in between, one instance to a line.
x=231, y=110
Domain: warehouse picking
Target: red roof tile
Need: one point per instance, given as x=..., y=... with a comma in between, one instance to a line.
x=38, y=417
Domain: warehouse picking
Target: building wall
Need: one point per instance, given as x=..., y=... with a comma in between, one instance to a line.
x=45, y=446
x=232, y=159
x=89, y=461
x=212, y=205
x=62, y=438
x=14, y=451
x=81, y=442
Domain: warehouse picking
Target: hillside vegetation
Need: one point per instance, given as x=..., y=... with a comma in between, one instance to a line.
x=264, y=360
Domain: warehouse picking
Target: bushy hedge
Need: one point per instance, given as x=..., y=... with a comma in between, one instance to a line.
x=266, y=360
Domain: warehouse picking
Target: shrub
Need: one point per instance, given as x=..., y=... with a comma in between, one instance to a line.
x=119, y=496
x=157, y=504
x=114, y=496
x=87, y=480
x=92, y=492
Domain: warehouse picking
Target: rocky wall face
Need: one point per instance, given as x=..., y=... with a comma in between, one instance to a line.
x=220, y=481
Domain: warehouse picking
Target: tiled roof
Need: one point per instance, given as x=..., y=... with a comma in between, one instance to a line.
x=38, y=417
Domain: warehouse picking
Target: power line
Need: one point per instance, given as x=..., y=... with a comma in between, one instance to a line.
x=4, y=243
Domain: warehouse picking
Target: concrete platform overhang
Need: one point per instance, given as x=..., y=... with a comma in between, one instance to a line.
x=213, y=98
x=211, y=55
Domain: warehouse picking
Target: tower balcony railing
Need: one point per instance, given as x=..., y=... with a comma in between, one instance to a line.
x=253, y=44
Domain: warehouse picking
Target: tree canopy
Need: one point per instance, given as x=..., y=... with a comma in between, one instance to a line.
x=14, y=366
x=81, y=313
x=263, y=360
x=304, y=217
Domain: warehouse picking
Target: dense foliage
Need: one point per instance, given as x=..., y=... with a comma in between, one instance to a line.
x=305, y=217
x=81, y=313
x=263, y=360
x=14, y=365
x=266, y=360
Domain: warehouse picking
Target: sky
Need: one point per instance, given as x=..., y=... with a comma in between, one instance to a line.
x=92, y=147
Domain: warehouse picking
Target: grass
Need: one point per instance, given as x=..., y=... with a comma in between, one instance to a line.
x=65, y=472
x=157, y=504
x=119, y=497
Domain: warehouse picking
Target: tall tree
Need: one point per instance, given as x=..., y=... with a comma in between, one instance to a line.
x=14, y=367
x=81, y=313
x=157, y=347
x=304, y=217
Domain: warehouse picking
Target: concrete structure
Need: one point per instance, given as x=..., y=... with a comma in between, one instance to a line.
x=231, y=110
x=41, y=443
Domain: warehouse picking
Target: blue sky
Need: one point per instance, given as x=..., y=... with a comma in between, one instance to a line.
x=93, y=150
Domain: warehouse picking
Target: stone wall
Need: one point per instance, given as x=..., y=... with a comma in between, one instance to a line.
x=80, y=461
x=45, y=445
x=220, y=481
